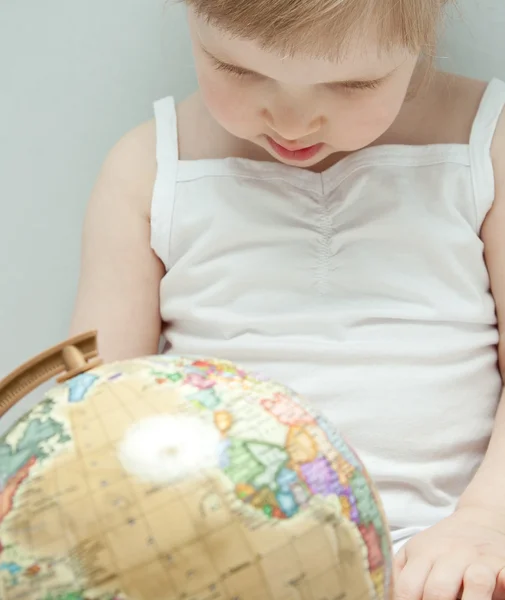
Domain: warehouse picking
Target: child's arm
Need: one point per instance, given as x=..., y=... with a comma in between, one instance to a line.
x=463, y=556
x=120, y=275
x=488, y=487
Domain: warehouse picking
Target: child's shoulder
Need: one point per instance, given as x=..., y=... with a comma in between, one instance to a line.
x=442, y=110
x=130, y=167
x=457, y=102
x=195, y=135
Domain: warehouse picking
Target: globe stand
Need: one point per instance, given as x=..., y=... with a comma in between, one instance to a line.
x=68, y=359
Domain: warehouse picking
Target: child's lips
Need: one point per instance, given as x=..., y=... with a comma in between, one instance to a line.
x=294, y=152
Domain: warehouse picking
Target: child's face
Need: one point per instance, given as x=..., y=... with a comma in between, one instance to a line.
x=300, y=110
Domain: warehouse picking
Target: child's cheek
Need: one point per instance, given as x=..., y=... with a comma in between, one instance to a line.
x=227, y=103
x=367, y=119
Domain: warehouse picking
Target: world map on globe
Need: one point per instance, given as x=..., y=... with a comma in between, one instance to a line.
x=287, y=513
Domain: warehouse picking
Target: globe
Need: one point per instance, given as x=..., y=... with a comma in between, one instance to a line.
x=171, y=478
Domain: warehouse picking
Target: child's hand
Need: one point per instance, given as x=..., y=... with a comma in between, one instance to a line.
x=463, y=556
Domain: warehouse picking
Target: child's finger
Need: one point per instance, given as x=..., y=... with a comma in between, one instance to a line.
x=400, y=558
x=445, y=579
x=412, y=579
x=399, y=562
x=479, y=582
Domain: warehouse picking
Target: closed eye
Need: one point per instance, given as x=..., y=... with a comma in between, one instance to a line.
x=360, y=85
x=219, y=66
x=232, y=69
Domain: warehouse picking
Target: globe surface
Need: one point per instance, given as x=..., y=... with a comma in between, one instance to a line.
x=287, y=512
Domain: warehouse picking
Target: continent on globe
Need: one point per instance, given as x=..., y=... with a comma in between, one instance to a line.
x=16, y=460
x=31, y=444
x=286, y=411
x=10, y=487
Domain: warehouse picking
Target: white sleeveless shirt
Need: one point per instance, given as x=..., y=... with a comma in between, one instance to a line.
x=363, y=288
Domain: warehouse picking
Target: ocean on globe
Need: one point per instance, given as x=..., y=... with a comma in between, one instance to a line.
x=102, y=496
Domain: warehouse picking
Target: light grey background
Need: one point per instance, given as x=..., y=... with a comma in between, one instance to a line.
x=75, y=76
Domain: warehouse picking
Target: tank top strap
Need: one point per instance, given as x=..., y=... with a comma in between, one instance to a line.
x=481, y=140
x=167, y=158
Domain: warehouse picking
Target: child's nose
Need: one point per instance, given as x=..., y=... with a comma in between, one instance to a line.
x=292, y=127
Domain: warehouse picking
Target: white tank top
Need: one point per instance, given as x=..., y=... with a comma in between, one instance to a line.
x=363, y=288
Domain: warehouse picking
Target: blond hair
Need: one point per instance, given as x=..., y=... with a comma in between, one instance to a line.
x=325, y=27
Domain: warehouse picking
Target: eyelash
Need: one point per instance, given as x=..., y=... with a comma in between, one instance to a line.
x=239, y=73
x=362, y=85
x=236, y=71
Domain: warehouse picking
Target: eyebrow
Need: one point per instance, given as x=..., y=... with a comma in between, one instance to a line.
x=345, y=83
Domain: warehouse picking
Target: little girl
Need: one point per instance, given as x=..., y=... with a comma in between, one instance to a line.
x=329, y=210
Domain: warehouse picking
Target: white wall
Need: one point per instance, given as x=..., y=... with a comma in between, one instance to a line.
x=473, y=43
x=74, y=76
